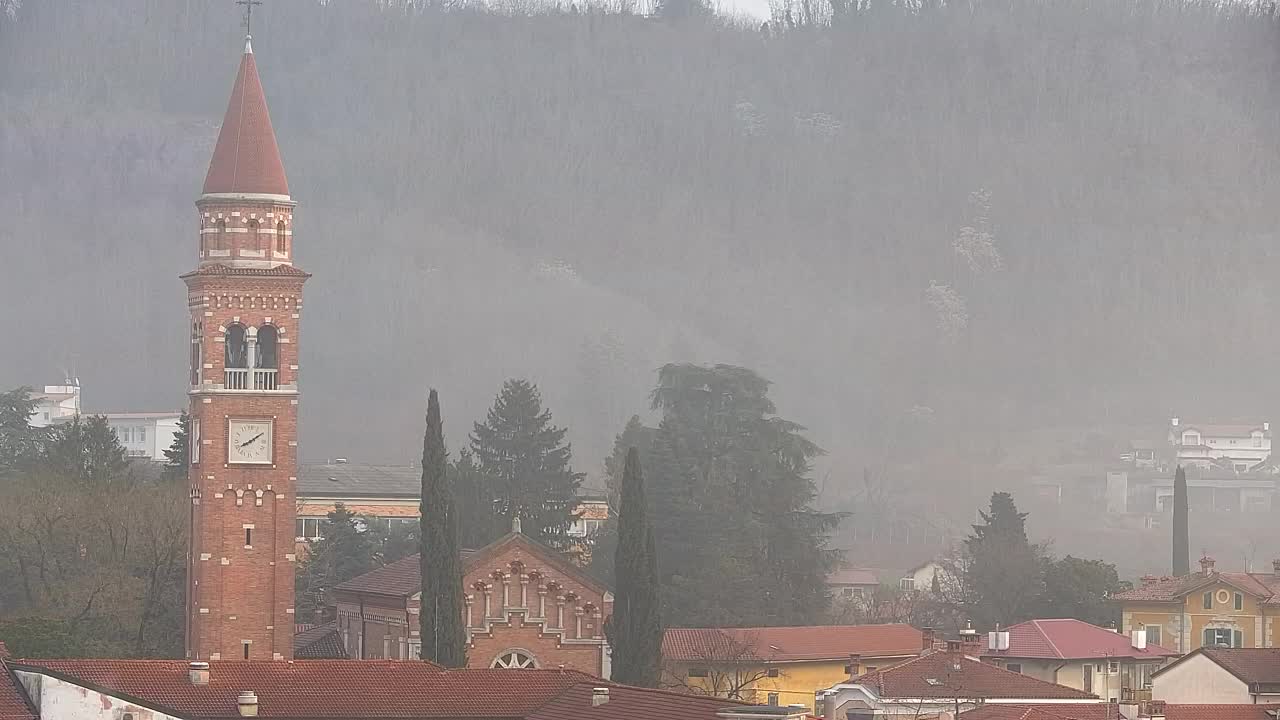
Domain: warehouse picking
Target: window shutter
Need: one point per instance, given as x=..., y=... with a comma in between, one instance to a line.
x=1237, y=638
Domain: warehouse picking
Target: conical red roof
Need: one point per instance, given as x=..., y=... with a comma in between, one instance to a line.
x=246, y=159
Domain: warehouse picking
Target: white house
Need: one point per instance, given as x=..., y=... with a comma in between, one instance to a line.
x=1238, y=447
x=56, y=403
x=145, y=435
x=1215, y=676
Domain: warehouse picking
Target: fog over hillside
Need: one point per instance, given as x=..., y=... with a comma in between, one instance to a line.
x=936, y=228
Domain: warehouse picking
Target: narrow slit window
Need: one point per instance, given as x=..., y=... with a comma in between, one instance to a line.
x=245, y=645
x=220, y=238
x=280, y=243
x=254, y=241
x=248, y=537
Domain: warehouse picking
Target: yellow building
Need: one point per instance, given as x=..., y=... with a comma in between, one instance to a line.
x=782, y=665
x=1204, y=609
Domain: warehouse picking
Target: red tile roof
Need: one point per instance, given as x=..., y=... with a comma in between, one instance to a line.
x=1070, y=639
x=219, y=269
x=935, y=675
x=627, y=703
x=246, y=159
x=321, y=688
x=13, y=702
x=1220, y=712
x=372, y=689
x=790, y=644
x=1172, y=589
x=1056, y=711
x=316, y=642
x=4, y=651
x=853, y=576
x=1254, y=666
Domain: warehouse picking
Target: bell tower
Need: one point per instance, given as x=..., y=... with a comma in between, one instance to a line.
x=245, y=303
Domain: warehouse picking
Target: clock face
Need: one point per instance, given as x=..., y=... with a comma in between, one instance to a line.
x=249, y=442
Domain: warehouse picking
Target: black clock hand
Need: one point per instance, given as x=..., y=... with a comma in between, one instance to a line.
x=250, y=440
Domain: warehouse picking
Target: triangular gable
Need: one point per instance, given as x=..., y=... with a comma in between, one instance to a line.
x=542, y=552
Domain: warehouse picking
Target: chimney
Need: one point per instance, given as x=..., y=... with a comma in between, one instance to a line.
x=599, y=696
x=926, y=636
x=970, y=640
x=1174, y=421
x=1148, y=580
x=1206, y=566
x=339, y=461
x=199, y=673
x=1138, y=639
x=1275, y=567
x=953, y=646
x=1266, y=426
x=855, y=665
x=247, y=703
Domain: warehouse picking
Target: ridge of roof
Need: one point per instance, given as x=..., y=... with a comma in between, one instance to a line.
x=246, y=158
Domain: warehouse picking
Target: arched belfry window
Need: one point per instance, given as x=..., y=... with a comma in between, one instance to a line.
x=237, y=346
x=255, y=241
x=280, y=244
x=268, y=356
x=220, y=237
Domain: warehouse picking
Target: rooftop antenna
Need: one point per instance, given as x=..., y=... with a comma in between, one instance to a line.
x=248, y=14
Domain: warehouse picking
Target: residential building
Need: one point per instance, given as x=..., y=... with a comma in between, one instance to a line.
x=780, y=665
x=1214, y=488
x=526, y=607
x=347, y=689
x=244, y=305
x=55, y=403
x=1204, y=609
x=941, y=684
x=921, y=578
x=1164, y=711
x=1239, y=447
x=145, y=435
x=851, y=582
x=1058, y=711
x=1080, y=655
x=392, y=494
x=1221, y=676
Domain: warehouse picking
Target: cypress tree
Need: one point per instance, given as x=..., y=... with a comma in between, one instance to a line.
x=440, y=617
x=1181, y=539
x=635, y=630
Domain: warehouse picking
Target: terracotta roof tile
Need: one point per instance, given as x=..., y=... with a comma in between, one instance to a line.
x=13, y=703
x=322, y=688
x=1070, y=639
x=1171, y=589
x=246, y=158
x=628, y=703
x=1220, y=712
x=277, y=271
x=1056, y=711
x=790, y=644
x=1255, y=666
x=935, y=675
x=319, y=642
x=853, y=576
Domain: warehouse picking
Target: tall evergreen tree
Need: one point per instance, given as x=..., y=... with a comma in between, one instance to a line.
x=732, y=503
x=178, y=454
x=20, y=443
x=1003, y=571
x=478, y=523
x=86, y=448
x=346, y=548
x=1181, y=537
x=635, y=629
x=526, y=462
x=441, y=631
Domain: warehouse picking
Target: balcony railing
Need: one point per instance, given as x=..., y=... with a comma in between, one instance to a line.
x=250, y=379
x=1132, y=695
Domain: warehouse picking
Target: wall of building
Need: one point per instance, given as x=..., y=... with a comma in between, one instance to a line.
x=796, y=682
x=1182, y=626
x=1199, y=680
x=60, y=700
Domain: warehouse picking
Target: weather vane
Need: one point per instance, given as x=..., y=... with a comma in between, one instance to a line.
x=248, y=14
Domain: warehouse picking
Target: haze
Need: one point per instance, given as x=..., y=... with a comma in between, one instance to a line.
x=963, y=240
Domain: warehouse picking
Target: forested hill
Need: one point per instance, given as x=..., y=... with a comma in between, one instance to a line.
x=578, y=196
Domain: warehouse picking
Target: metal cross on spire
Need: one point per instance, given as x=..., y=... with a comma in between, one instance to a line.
x=248, y=14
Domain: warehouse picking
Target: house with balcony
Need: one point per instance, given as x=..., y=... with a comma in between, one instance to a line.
x=1240, y=447
x=1074, y=653
x=1204, y=609
x=941, y=684
x=55, y=403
